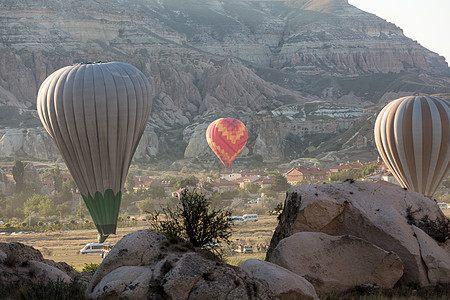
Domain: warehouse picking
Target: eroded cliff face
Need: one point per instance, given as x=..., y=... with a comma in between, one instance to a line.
x=218, y=58
x=173, y=42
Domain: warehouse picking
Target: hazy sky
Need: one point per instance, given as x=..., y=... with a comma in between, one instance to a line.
x=426, y=21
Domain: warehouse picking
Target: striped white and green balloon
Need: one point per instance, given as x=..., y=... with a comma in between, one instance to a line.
x=96, y=114
x=412, y=135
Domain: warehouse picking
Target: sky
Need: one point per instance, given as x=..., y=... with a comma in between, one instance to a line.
x=426, y=21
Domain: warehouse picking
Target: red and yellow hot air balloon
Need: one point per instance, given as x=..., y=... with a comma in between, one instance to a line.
x=227, y=137
x=412, y=135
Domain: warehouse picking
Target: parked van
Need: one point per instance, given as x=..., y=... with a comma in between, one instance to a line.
x=241, y=248
x=248, y=249
x=235, y=219
x=250, y=218
x=93, y=248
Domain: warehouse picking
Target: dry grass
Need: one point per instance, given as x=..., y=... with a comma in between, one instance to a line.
x=259, y=232
x=65, y=245
x=446, y=212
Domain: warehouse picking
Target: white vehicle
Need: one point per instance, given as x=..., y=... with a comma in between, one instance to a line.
x=248, y=249
x=235, y=219
x=250, y=218
x=93, y=248
x=241, y=248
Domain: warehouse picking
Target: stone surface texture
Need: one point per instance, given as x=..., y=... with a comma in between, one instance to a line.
x=375, y=212
x=283, y=283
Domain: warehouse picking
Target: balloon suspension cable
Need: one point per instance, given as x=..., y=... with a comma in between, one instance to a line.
x=102, y=237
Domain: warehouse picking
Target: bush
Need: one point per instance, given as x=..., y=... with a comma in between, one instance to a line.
x=90, y=267
x=193, y=219
x=438, y=229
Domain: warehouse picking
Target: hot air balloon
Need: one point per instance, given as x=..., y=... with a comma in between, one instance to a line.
x=227, y=137
x=412, y=136
x=96, y=113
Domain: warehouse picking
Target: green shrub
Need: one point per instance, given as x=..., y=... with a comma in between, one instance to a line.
x=193, y=219
x=90, y=267
x=438, y=229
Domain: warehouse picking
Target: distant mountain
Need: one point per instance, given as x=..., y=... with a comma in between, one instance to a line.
x=257, y=60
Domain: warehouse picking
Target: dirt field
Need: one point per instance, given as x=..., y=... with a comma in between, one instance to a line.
x=65, y=245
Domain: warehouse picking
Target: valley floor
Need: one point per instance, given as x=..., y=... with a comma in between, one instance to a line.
x=64, y=246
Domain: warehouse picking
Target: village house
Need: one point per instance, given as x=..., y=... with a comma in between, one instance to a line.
x=387, y=176
x=222, y=185
x=264, y=182
x=48, y=182
x=343, y=167
x=142, y=182
x=177, y=193
x=232, y=176
x=145, y=182
x=310, y=175
x=244, y=180
x=252, y=173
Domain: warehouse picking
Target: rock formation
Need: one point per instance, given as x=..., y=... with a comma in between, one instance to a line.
x=208, y=59
x=144, y=264
x=22, y=265
x=337, y=263
x=378, y=214
x=283, y=283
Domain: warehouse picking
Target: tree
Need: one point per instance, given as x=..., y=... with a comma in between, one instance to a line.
x=229, y=195
x=179, y=182
x=18, y=171
x=208, y=186
x=47, y=208
x=30, y=188
x=82, y=211
x=280, y=183
x=268, y=192
x=65, y=195
x=130, y=183
x=33, y=204
x=303, y=182
x=252, y=188
x=157, y=192
x=193, y=219
x=346, y=174
x=366, y=170
x=146, y=205
x=57, y=178
x=63, y=209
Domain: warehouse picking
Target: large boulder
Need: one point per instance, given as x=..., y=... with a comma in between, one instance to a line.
x=144, y=264
x=436, y=258
x=378, y=213
x=284, y=284
x=337, y=263
x=22, y=266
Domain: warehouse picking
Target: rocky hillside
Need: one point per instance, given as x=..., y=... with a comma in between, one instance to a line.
x=261, y=61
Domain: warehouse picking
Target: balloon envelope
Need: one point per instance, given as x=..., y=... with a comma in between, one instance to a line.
x=96, y=114
x=227, y=137
x=412, y=137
